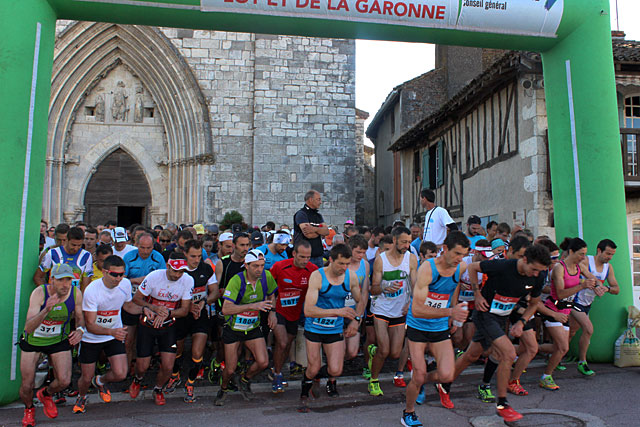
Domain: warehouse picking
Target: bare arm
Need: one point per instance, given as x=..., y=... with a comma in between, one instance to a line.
x=420, y=306
x=185, y=306
x=480, y=302
x=557, y=275
x=35, y=316
x=76, y=336
x=613, y=283
x=365, y=290
x=376, y=278
x=413, y=272
x=230, y=308
x=38, y=277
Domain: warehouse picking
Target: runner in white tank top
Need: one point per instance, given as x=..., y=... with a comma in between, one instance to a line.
x=598, y=266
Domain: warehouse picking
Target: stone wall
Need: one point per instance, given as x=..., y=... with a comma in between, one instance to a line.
x=279, y=115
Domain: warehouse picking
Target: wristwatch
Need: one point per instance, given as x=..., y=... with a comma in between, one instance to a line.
x=357, y=318
x=523, y=320
x=81, y=329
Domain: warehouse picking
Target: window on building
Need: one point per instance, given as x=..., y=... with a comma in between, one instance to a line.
x=433, y=166
x=392, y=121
x=417, y=168
x=631, y=120
x=90, y=111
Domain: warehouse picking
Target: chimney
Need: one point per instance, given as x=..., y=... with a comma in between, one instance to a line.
x=618, y=35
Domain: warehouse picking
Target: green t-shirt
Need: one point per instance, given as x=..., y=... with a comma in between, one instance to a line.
x=250, y=319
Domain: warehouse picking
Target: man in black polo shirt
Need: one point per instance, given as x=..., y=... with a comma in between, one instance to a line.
x=309, y=225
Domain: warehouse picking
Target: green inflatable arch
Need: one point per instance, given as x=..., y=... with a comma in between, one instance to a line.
x=572, y=35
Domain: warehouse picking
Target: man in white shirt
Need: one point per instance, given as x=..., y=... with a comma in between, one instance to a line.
x=120, y=245
x=436, y=219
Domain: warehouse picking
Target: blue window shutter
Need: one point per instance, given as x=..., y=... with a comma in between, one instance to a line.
x=440, y=164
x=426, y=182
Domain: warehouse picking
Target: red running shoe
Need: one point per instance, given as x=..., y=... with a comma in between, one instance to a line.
x=398, y=381
x=445, y=400
x=50, y=409
x=29, y=419
x=508, y=413
x=134, y=389
x=159, y=397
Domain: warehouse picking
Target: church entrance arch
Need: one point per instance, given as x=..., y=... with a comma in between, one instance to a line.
x=119, y=191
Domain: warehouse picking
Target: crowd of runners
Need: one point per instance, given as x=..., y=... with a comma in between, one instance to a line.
x=431, y=296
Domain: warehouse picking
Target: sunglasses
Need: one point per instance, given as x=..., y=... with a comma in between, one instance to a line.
x=164, y=241
x=115, y=273
x=554, y=257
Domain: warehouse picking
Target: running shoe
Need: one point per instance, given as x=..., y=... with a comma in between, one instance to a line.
x=561, y=367
x=514, y=387
x=29, y=418
x=59, y=398
x=584, y=369
x=332, y=388
x=101, y=368
x=189, y=395
x=215, y=372
x=422, y=396
x=366, y=373
x=398, y=380
x=276, y=384
x=134, y=388
x=485, y=394
x=548, y=383
x=44, y=365
x=245, y=388
x=372, y=352
x=200, y=373
x=508, y=413
x=459, y=353
x=221, y=397
x=410, y=419
x=158, y=397
x=445, y=400
x=173, y=382
x=295, y=369
x=50, y=409
x=69, y=391
x=103, y=390
x=374, y=388
x=79, y=407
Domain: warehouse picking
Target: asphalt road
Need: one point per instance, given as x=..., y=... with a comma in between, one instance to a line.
x=609, y=398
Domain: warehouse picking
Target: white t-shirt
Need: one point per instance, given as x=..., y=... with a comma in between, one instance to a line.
x=435, y=225
x=163, y=291
x=124, y=251
x=371, y=252
x=48, y=242
x=106, y=303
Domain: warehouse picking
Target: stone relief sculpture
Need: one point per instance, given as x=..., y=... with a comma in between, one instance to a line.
x=119, y=110
x=137, y=112
x=99, y=112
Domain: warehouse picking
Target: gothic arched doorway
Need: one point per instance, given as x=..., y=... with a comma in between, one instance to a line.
x=119, y=191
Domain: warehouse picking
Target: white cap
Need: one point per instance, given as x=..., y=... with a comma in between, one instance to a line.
x=225, y=236
x=253, y=255
x=120, y=235
x=282, y=238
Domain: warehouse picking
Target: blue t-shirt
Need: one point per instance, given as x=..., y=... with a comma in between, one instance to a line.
x=271, y=258
x=416, y=244
x=474, y=239
x=138, y=267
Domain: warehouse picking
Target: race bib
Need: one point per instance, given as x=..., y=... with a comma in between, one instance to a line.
x=75, y=283
x=49, y=329
x=245, y=320
x=325, y=322
x=396, y=293
x=107, y=319
x=171, y=305
x=466, y=296
x=502, y=306
x=349, y=301
x=437, y=300
x=289, y=298
x=199, y=293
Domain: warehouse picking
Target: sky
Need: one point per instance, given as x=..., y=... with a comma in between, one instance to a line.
x=381, y=66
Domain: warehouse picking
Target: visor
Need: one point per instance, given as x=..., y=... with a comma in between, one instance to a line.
x=179, y=264
x=253, y=255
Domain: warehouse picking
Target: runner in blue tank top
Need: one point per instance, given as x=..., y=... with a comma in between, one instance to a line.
x=360, y=266
x=428, y=320
x=325, y=310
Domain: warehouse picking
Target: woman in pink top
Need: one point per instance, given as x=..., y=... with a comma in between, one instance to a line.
x=565, y=283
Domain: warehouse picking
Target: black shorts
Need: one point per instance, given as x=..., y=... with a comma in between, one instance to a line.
x=129, y=319
x=90, y=352
x=229, y=336
x=515, y=317
x=392, y=321
x=416, y=335
x=147, y=337
x=581, y=308
x=290, y=325
x=323, y=338
x=489, y=327
x=215, y=323
x=368, y=319
x=46, y=349
x=189, y=325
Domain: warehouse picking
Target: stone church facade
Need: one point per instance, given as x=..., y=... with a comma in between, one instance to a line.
x=165, y=124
